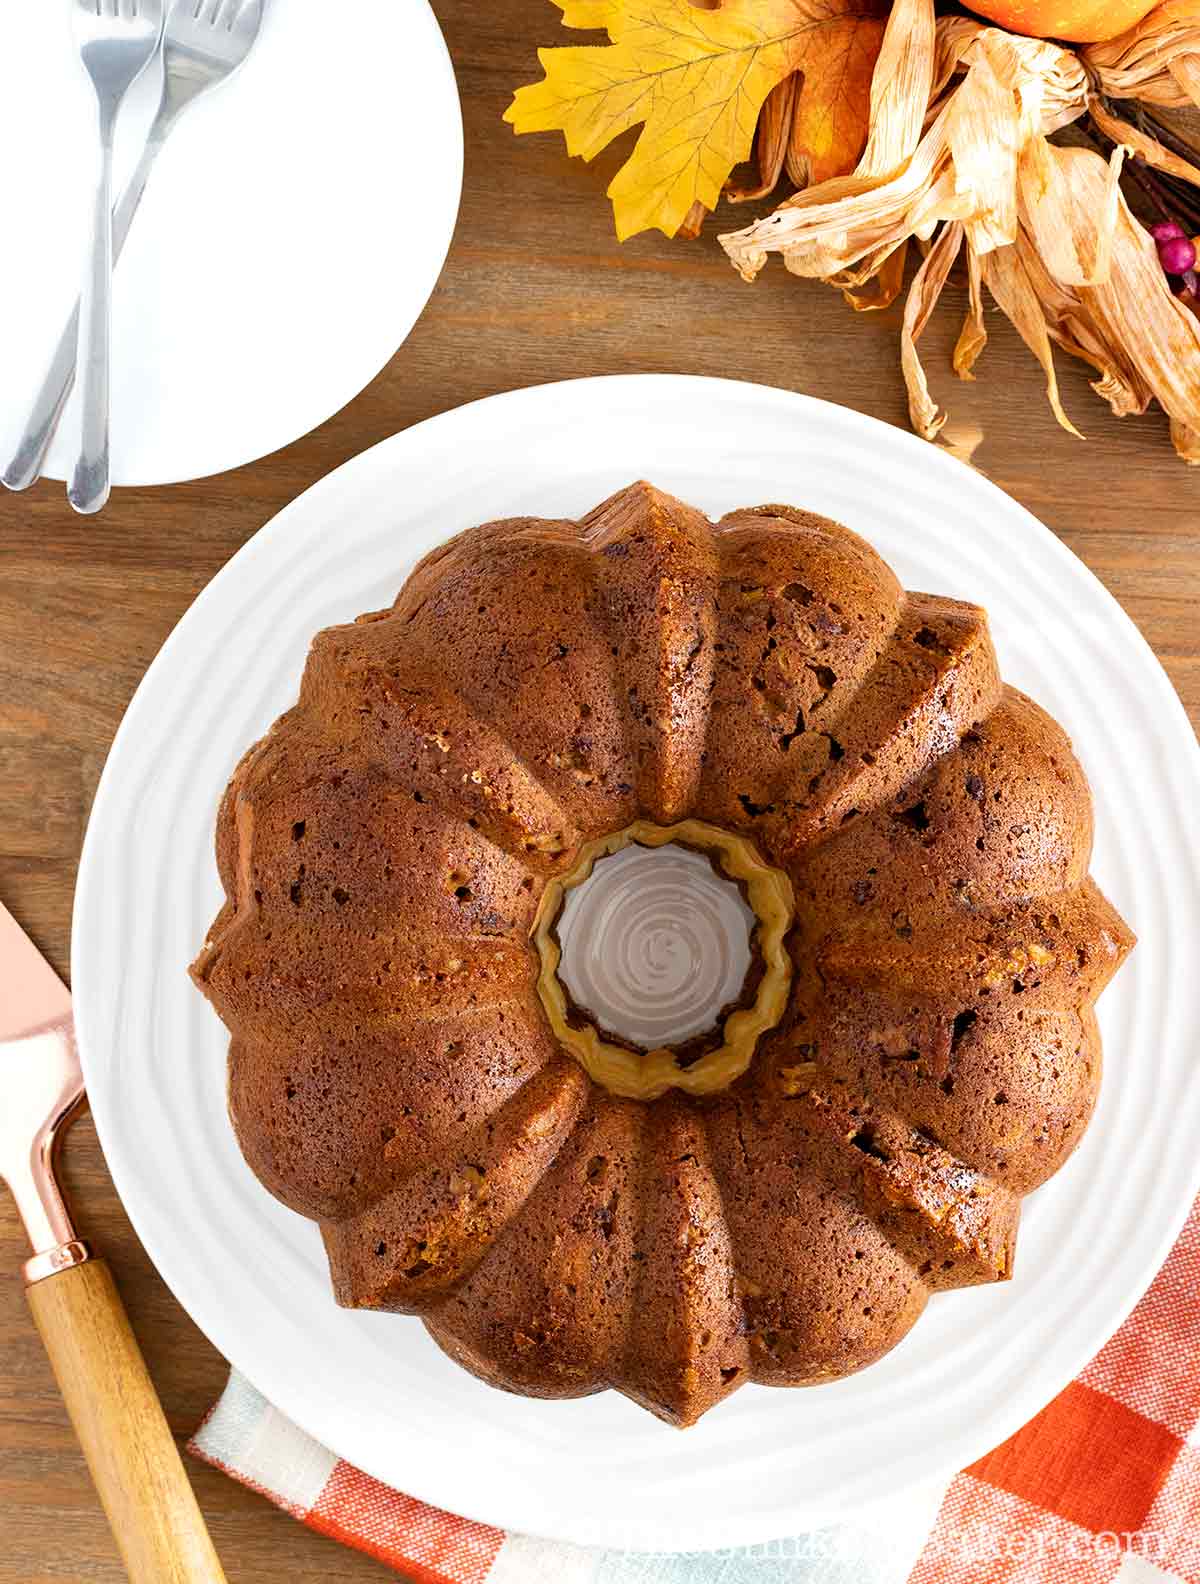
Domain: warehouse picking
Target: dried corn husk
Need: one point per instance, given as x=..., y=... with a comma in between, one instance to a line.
x=960, y=156
x=926, y=416
x=1155, y=61
x=973, y=337
x=1142, y=144
x=961, y=167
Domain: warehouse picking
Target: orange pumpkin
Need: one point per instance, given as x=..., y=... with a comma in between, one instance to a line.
x=1080, y=21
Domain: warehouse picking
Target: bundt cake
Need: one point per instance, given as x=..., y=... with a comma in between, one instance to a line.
x=567, y=1213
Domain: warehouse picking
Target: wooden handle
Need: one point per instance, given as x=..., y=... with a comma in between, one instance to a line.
x=120, y=1424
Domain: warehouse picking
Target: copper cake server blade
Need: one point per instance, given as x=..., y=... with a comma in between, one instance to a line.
x=42, y=1088
x=108, y=1392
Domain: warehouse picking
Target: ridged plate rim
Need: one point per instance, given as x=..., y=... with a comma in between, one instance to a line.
x=374, y=1388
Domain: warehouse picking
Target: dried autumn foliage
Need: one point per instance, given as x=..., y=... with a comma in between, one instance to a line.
x=960, y=159
x=695, y=80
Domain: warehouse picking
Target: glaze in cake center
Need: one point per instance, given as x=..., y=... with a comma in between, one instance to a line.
x=656, y=947
x=706, y=1023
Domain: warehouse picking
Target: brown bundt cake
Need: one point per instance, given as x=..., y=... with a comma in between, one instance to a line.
x=395, y=1074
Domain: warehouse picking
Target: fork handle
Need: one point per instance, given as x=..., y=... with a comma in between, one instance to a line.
x=27, y=462
x=89, y=486
x=118, y=1418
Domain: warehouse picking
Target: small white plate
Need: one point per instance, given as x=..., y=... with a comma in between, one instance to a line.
x=374, y=1387
x=292, y=231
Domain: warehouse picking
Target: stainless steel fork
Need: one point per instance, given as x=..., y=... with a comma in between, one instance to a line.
x=204, y=43
x=117, y=40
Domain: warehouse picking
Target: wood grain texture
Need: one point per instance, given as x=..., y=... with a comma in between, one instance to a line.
x=535, y=289
x=121, y=1428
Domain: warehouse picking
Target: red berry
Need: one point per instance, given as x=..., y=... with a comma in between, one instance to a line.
x=1177, y=255
x=1165, y=230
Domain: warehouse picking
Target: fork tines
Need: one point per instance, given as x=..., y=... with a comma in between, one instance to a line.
x=217, y=13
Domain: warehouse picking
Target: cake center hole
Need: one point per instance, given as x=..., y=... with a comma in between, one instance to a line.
x=656, y=945
x=663, y=957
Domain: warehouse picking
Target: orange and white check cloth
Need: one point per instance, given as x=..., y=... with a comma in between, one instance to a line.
x=1104, y=1485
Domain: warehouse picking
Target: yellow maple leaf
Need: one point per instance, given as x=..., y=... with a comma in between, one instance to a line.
x=697, y=79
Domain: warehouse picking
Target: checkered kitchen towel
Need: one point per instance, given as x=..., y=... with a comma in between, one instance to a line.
x=1103, y=1485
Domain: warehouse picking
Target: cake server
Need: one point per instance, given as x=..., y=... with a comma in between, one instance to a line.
x=105, y=1384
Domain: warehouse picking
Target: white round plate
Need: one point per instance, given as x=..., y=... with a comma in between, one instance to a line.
x=373, y=1387
x=292, y=231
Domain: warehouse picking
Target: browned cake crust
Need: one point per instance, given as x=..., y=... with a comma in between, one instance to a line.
x=392, y=1073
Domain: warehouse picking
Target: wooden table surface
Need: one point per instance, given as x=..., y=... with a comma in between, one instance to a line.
x=536, y=288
